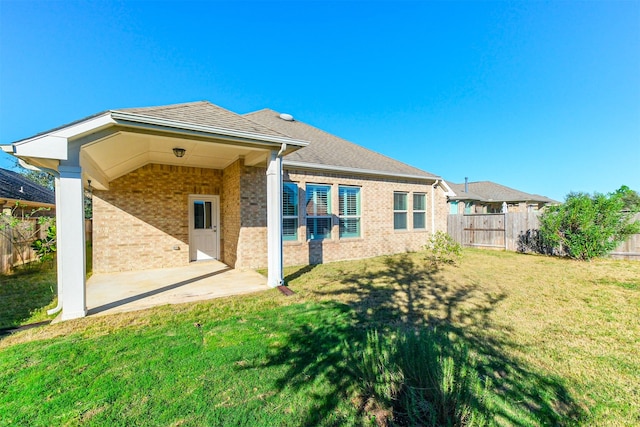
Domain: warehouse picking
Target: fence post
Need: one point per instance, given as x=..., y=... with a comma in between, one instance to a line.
x=506, y=236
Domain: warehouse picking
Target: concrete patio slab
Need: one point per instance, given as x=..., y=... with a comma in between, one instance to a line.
x=130, y=291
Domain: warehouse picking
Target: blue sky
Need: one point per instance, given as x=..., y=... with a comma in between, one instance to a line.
x=540, y=96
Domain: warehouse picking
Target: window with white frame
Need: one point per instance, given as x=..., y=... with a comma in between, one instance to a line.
x=399, y=211
x=419, y=211
x=318, y=210
x=349, y=211
x=289, y=211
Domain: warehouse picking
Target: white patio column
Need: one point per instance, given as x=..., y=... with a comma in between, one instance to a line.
x=71, y=244
x=274, y=220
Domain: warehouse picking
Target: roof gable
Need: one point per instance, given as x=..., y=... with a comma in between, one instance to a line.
x=206, y=114
x=16, y=187
x=329, y=150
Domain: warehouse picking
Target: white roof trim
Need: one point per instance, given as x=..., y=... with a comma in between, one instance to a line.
x=74, y=129
x=449, y=191
x=120, y=116
x=317, y=166
x=53, y=144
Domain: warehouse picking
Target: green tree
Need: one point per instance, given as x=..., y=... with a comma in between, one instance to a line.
x=41, y=178
x=589, y=226
x=630, y=198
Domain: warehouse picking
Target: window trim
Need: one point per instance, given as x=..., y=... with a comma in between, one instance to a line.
x=422, y=211
x=310, y=219
x=344, y=216
x=295, y=216
x=404, y=211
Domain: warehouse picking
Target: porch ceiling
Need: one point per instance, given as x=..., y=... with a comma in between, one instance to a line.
x=122, y=152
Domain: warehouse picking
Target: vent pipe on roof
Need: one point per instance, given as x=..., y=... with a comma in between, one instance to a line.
x=466, y=184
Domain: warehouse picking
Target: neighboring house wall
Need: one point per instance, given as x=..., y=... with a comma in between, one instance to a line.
x=143, y=217
x=458, y=207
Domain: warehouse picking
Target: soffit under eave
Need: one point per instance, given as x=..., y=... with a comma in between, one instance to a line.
x=115, y=154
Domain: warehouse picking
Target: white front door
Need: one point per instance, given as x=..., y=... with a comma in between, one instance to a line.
x=204, y=222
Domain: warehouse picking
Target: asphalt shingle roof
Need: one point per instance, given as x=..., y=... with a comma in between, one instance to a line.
x=329, y=150
x=206, y=114
x=17, y=187
x=324, y=148
x=488, y=191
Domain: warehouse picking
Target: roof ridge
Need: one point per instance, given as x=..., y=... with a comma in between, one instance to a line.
x=166, y=107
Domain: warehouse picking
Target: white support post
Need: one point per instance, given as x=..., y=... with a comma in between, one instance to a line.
x=71, y=241
x=274, y=220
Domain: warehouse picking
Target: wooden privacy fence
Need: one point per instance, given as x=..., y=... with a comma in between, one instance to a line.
x=11, y=254
x=508, y=231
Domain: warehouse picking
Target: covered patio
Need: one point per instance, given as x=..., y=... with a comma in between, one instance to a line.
x=171, y=185
x=109, y=293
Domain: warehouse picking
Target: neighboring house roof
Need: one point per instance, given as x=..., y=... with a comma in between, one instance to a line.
x=328, y=151
x=14, y=186
x=487, y=191
x=460, y=194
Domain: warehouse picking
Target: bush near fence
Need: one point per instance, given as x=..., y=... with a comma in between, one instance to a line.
x=517, y=231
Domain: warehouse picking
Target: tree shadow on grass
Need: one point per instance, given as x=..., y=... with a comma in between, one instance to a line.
x=406, y=294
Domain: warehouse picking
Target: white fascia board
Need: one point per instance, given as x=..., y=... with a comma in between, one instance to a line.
x=53, y=145
x=7, y=148
x=124, y=118
x=44, y=147
x=320, y=167
x=448, y=190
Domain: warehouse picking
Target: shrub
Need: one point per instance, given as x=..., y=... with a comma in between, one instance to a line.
x=21, y=227
x=586, y=226
x=380, y=379
x=442, y=249
x=45, y=248
x=424, y=377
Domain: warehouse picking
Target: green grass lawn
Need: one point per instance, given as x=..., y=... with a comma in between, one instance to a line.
x=26, y=295
x=554, y=341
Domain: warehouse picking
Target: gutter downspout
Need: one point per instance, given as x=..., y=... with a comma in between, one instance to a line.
x=283, y=148
x=433, y=206
x=56, y=176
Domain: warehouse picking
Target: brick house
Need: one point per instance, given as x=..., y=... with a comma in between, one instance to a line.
x=483, y=197
x=185, y=182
